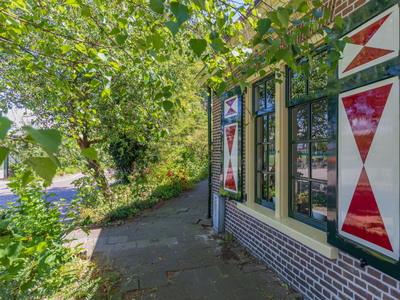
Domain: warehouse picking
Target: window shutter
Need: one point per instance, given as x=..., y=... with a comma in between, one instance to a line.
x=231, y=145
x=363, y=149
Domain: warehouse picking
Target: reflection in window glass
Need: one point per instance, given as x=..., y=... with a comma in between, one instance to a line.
x=271, y=158
x=300, y=122
x=270, y=93
x=261, y=101
x=271, y=188
x=261, y=186
x=300, y=160
x=319, y=201
x=318, y=82
x=262, y=157
x=271, y=131
x=298, y=85
x=319, y=160
x=300, y=202
x=319, y=119
x=265, y=129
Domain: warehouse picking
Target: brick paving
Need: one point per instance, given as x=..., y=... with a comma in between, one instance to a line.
x=169, y=254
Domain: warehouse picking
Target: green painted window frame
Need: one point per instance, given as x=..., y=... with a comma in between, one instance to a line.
x=309, y=220
x=257, y=114
x=307, y=99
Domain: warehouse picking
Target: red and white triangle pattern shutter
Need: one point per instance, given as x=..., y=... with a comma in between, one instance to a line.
x=373, y=43
x=368, y=166
x=231, y=145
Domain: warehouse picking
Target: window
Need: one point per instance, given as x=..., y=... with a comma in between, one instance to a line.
x=264, y=109
x=300, y=86
x=308, y=147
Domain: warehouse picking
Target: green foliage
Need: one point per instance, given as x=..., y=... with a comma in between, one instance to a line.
x=32, y=256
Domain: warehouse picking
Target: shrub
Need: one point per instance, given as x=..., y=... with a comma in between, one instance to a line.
x=32, y=256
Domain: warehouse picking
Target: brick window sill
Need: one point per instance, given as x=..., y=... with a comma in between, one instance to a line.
x=311, y=237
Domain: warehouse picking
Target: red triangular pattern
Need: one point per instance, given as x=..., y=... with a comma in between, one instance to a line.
x=364, y=111
x=230, y=178
x=366, y=55
x=230, y=102
x=230, y=136
x=362, y=37
x=231, y=111
x=363, y=218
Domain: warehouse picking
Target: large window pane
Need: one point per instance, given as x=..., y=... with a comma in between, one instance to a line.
x=300, y=122
x=271, y=190
x=261, y=157
x=271, y=158
x=260, y=97
x=319, y=160
x=318, y=82
x=262, y=185
x=300, y=202
x=319, y=120
x=319, y=200
x=270, y=93
x=298, y=85
x=300, y=160
x=271, y=128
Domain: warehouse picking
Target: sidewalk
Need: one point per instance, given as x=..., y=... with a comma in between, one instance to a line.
x=169, y=255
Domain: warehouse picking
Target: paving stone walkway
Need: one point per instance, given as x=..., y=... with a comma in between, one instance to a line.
x=169, y=254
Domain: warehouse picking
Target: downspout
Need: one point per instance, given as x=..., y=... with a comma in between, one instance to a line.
x=209, y=152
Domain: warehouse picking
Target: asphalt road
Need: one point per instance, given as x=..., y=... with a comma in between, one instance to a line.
x=63, y=187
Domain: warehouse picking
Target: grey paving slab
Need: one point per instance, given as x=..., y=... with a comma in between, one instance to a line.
x=190, y=263
x=200, y=289
x=151, y=280
x=207, y=273
x=177, y=291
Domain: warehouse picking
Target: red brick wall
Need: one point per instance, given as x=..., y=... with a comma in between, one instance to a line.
x=308, y=272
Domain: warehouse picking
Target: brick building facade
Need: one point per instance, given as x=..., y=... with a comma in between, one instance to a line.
x=296, y=249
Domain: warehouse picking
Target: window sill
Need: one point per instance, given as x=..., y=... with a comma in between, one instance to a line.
x=311, y=237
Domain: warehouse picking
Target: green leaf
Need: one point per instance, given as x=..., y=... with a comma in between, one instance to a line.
x=339, y=21
x=180, y=11
x=340, y=45
x=13, y=250
x=317, y=13
x=102, y=56
x=90, y=153
x=256, y=40
x=273, y=16
x=281, y=54
x=43, y=166
x=222, y=88
x=296, y=2
x=275, y=46
x=250, y=71
x=3, y=154
x=94, y=83
x=242, y=85
x=5, y=125
x=303, y=7
x=173, y=27
x=296, y=49
x=283, y=16
x=158, y=96
x=4, y=224
x=157, y=6
x=73, y=2
x=158, y=42
x=26, y=178
x=85, y=11
x=65, y=49
x=167, y=105
x=347, y=40
x=49, y=139
x=198, y=46
x=200, y=3
x=81, y=48
x=120, y=39
x=334, y=55
x=53, y=158
x=262, y=73
x=263, y=26
x=115, y=31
